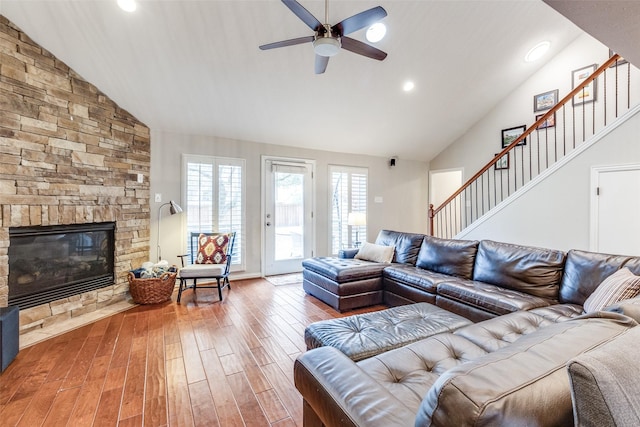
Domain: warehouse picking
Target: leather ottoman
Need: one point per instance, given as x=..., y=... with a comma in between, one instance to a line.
x=343, y=283
x=366, y=335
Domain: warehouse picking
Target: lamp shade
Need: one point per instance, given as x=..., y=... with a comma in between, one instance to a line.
x=357, y=218
x=174, y=208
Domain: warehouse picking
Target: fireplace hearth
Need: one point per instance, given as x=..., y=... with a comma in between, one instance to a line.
x=48, y=263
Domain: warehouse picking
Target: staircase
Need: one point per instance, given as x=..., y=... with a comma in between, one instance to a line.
x=561, y=131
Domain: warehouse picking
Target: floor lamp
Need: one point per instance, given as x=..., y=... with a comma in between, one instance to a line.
x=357, y=219
x=174, y=208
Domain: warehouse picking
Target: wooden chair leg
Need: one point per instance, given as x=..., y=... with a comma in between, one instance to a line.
x=180, y=289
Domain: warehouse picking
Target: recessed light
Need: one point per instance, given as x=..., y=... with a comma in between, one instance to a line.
x=127, y=5
x=537, y=51
x=408, y=86
x=376, y=32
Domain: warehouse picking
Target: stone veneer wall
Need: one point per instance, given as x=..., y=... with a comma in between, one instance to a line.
x=68, y=155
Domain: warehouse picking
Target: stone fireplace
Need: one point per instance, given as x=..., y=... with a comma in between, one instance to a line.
x=49, y=263
x=70, y=157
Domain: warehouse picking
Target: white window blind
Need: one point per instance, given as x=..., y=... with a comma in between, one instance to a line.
x=348, y=192
x=215, y=199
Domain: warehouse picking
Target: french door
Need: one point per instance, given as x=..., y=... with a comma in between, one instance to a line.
x=288, y=214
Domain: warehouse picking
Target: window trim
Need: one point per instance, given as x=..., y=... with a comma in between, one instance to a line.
x=216, y=160
x=350, y=170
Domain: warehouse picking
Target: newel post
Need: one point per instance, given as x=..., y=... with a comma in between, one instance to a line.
x=431, y=215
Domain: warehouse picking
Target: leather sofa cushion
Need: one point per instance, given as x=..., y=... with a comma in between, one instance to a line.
x=407, y=245
x=417, y=277
x=534, y=271
x=447, y=256
x=340, y=393
x=342, y=270
x=584, y=271
x=499, y=388
x=488, y=297
x=558, y=312
x=409, y=372
x=493, y=334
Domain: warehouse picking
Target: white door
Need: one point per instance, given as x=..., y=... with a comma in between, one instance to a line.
x=442, y=184
x=288, y=215
x=615, y=228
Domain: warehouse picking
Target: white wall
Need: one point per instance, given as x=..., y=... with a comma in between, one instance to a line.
x=403, y=189
x=480, y=143
x=556, y=212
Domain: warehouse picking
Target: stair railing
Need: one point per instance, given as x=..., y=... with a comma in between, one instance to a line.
x=551, y=137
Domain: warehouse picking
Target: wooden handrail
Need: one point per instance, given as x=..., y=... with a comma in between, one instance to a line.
x=433, y=212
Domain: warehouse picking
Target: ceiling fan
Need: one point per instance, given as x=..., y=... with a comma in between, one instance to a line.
x=328, y=40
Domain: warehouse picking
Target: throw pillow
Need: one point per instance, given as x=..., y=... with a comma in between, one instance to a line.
x=621, y=285
x=376, y=253
x=212, y=249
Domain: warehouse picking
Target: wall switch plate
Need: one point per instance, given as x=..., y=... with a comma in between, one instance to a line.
x=377, y=199
x=158, y=198
x=140, y=178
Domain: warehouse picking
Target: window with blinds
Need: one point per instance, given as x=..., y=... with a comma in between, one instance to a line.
x=348, y=192
x=214, y=193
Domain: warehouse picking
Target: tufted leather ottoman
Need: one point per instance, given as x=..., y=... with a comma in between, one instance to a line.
x=343, y=283
x=366, y=335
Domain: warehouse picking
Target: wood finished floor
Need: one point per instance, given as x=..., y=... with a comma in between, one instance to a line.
x=202, y=363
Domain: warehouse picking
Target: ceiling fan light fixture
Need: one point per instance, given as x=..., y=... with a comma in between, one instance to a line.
x=376, y=32
x=326, y=46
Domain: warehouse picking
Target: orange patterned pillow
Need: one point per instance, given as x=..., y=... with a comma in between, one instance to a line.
x=212, y=249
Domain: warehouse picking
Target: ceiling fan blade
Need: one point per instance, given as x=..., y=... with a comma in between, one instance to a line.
x=289, y=42
x=359, y=21
x=303, y=14
x=364, y=49
x=321, y=63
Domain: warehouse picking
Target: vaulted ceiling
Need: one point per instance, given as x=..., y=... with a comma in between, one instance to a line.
x=194, y=67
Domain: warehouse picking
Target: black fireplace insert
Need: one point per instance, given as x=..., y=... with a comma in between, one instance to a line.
x=49, y=263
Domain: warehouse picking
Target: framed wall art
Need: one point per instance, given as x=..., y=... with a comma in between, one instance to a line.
x=502, y=163
x=548, y=123
x=544, y=101
x=588, y=94
x=510, y=135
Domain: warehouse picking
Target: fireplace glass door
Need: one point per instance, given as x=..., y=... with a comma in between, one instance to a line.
x=49, y=263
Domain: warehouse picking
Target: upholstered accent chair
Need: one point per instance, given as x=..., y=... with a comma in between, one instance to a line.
x=604, y=383
x=210, y=260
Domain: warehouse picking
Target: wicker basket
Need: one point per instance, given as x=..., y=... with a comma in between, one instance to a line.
x=152, y=291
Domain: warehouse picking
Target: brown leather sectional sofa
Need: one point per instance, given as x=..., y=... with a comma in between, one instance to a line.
x=476, y=279
x=507, y=369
